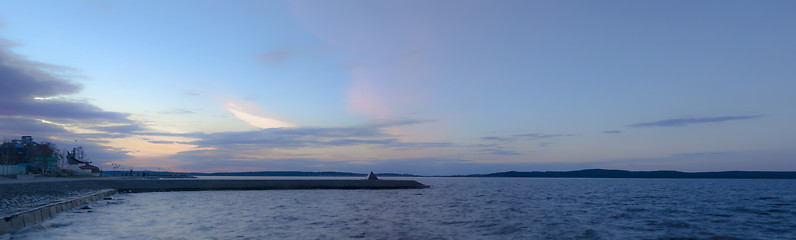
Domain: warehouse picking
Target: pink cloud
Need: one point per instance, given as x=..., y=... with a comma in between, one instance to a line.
x=364, y=97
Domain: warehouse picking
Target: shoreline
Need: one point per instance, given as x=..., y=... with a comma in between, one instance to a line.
x=37, y=215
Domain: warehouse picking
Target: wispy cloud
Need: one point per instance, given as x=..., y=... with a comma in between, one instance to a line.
x=498, y=151
x=494, y=138
x=283, y=54
x=612, y=132
x=535, y=136
x=14, y=126
x=681, y=122
x=277, y=57
x=177, y=111
x=424, y=166
x=298, y=137
x=703, y=154
x=165, y=142
x=33, y=103
x=255, y=115
x=545, y=144
x=495, y=149
x=33, y=90
x=191, y=93
x=266, y=147
x=120, y=129
x=526, y=136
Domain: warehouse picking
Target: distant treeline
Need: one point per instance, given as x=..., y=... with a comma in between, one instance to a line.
x=603, y=173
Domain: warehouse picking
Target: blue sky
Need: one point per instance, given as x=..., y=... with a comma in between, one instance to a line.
x=422, y=87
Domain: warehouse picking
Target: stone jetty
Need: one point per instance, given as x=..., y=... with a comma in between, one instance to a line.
x=103, y=187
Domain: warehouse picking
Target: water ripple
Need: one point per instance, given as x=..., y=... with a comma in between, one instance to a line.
x=453, y=208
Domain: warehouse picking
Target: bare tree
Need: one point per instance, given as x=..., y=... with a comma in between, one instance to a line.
x=49, y=153
x=115, y=168
x=80, y=154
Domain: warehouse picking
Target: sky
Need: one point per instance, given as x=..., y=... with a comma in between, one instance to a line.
x=419, y=87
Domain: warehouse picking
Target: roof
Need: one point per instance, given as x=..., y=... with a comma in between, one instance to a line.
x=89, y=166
x=73, y=160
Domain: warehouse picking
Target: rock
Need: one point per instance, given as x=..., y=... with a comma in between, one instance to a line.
x=372, y=176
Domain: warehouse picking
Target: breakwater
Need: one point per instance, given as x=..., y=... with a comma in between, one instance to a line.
x=204, y=185
x=108, y=186
x=37, y=215
x=161, y=185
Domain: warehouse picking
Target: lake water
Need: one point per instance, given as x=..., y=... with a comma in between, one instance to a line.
x=452, y=208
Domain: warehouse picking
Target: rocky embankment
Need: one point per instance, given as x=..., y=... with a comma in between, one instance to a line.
x=21, y=195
x=14, y=202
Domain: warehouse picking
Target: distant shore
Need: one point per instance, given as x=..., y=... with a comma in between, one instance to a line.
x=586, y=173
x=604, y=173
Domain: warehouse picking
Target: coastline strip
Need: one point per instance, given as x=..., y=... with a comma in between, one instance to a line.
x=213, y=185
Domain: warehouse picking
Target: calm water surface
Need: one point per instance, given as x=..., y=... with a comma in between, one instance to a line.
x=453, y=208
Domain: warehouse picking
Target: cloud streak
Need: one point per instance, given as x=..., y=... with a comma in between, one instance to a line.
x=32, y=90
x=498, y=151
x=33, y=104
x=536, y=136
x=267, y=148
x=288, y=138
x=526, y=136
x=281, y=55
x=277, y=57
x=494, y=149
x=423, y=166
x=682, y=122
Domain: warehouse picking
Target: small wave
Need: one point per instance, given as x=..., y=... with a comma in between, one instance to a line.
x=777, y=211
x=59, y=224
x=743, y=210
x=487, y=225
x=636, y=209
x=589, y=234
x=719, y=215
x=669, y=224
x=454, y=222
x=506, y=230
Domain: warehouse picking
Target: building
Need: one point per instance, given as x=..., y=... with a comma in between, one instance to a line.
x=28, y=155
x=31, y=156
x=90, y=169
x=76, y=168
x=21, y=151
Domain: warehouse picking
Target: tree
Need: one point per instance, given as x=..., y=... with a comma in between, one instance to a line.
x=47, y=149
x=46, y=155
x=116, y=166
x=80, y=154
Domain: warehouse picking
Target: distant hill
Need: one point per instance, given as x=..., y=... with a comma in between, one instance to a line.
x=587, y=173
x=604, y=173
